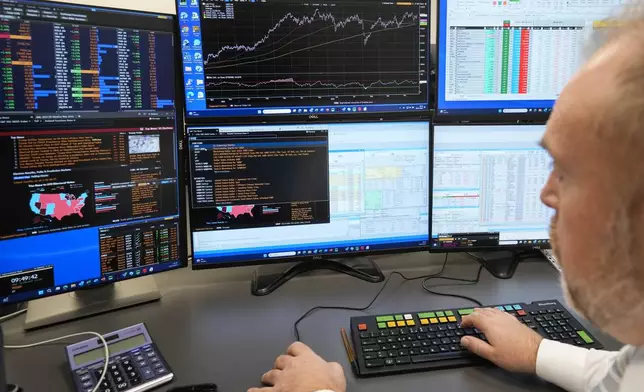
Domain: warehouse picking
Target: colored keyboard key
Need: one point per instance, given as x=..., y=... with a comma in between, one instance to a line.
x=585, y=337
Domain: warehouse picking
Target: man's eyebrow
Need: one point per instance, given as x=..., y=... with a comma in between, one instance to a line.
x=544, y=145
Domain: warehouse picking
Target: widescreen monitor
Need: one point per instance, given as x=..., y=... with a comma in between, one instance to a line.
x=294, y=58
x=89, y=170
x=511, y=59
x=487, y=181
x=269, y=194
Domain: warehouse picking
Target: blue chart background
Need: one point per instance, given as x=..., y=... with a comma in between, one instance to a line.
x=74, y=254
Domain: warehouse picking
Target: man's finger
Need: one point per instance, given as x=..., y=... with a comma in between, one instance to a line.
x=282, y=361
x=478, y=347
x=268, y=389
x=298, y=348
x=473, y=320
x=271, y=377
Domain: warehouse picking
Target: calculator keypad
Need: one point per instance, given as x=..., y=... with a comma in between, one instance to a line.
x=124, y=371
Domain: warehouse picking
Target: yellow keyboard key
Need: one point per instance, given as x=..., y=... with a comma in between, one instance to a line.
x=442, y=319
x=451, y=319
x=411, y=323
x=433, y=320
x=391, y=324
x=424, y=321
x=401, y=323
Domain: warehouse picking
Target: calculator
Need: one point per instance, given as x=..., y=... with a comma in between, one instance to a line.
x=135, y=363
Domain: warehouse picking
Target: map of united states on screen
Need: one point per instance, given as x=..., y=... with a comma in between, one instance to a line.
x=57, y=205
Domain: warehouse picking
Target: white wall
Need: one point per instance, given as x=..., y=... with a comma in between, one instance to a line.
x=168, y=7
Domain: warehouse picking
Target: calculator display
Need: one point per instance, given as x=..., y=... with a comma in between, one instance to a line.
x=116, y=347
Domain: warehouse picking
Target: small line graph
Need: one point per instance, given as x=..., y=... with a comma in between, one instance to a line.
x=316, y=84
x=284, y=49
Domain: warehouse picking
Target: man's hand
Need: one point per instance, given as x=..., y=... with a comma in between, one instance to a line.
x=512, y=345
x=302, y=370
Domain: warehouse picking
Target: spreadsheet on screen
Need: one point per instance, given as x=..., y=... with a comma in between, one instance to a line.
x=513, y=54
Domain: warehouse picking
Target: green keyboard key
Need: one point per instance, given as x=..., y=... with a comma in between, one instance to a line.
x=382, y=325
x=400, y=318
x=449, y=313
x=384, y=319
x=440, y=314
x=585, y=337
x=465, y=312
x=426, y=315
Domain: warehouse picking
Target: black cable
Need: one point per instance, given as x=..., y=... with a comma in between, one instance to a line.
x=467, y=282
x=406, y=279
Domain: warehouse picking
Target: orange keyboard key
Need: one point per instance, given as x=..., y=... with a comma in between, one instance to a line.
x=362, y=327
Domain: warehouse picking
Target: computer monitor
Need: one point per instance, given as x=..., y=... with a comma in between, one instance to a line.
x=265, y=194
x=487, y=185
x=89, y=165
x=294, y=58
x=511, y=59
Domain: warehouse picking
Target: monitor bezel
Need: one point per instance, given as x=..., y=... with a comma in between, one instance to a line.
x=466, y=115
x=509, y=248
x=318, y=117
x=313, y=258
x=179, y=153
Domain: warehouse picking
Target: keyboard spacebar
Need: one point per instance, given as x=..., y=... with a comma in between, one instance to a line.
x=441, y=357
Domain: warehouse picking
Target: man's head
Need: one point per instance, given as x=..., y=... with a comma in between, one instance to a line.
x=596, y=138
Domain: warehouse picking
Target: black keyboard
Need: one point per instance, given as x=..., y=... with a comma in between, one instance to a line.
x=429, y=340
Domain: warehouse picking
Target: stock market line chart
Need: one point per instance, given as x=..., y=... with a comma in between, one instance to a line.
x=264, y=54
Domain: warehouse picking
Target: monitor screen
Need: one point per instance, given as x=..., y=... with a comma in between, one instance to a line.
x=511, y=57
x=263, y=194
x=88, y=148
x=298, y=58
x=487, y=186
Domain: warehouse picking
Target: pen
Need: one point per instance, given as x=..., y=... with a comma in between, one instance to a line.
x=350, y=353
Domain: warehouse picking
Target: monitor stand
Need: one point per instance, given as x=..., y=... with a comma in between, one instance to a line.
x=502, y=264
x=269, y=278
x=88, y=302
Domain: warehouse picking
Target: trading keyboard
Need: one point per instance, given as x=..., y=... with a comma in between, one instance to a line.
x=429, y=340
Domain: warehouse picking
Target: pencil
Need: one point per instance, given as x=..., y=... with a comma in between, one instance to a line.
x=350, y=353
